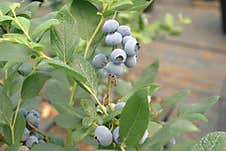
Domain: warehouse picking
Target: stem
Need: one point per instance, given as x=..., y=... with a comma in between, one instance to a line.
x=90, y=41
x=69, y=137
x=73, y=89
x=1, y=82
x=12, y=125
x=122, y=148
x=109, y=93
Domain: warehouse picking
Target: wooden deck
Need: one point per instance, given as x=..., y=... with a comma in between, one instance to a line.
x=195, y=60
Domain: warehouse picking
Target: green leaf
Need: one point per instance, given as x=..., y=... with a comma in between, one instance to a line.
x=43, y=27
x=5, y=7
x=173, y=99
x=22, y=23
x=82, y=66
x=55, y=138
x=87, y=20
x=215, y=141
x=121, y=5
x=153, y=128
x=140, y=5
x=67, y=121
x=19, y=127
x=134, y=118
x=6, y=109
x=197, y=107
x=16, y=38
x=169, y=20
x=88, y=107
x=7, y=133
x=33, y=84
x=32, y=103
x=47, y=146
x=87, y=122
x=170, y=130
x=64, y=37
x=148, y=75
x=14, y=52
x=112, y=115
x=195, y=117
x=5, y=18
x=53, y=87
x=66, y=68
x=79, y=134
x=13, y=147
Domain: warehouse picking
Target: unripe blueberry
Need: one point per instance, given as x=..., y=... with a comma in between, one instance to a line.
x=23, y=148
x=110, y=26
x=131, y=61
x=131, y=47
x=113, y=39
x=103, y=135
x=25, y=69
x=31, y=141
x=118, y=56
x=127, y=38
x=145, y=136
x=119, y=105
x=23, y=111
x=116, y=136
x=99, y=61
x=124, y=30
x=33, y=118
x=115, y=69
x=26, y=134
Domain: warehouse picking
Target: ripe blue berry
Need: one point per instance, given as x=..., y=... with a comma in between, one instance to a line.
x=23, y=148
x=23, y=111
x=39, y=136
x=124, y=30
x=33, y=118
x=118, y=56
x=41, y=141
x=131, y=47
x=26, y=134
x=113, y=39
x=145, y=136
x=110, y=26
x=31, y=141
x=127, y=38
x=131, y=61
x=119, y=105
x=99, y=61
x=115, y=69
x=103, y=135
x=116, y=136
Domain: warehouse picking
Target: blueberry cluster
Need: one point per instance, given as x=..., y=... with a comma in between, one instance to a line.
x=124, y=52
x=30, y=138
x=105, y=137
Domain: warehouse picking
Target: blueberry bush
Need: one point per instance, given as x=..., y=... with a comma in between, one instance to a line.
x=76, y=57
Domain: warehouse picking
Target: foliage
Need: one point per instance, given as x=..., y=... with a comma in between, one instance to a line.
x=52, y=53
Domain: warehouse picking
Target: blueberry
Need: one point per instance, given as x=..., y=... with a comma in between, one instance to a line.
x=41, y=141
x=131, y=61
x=110, y=26
x=116, y=136
x=23, y=148
x=118, y=56
x=26, y=135
x=103, y=73
x=33, y=118
x=25, y=69
x=103, y=135
x=23, y=111
x=31, y=141
x=131, y=47
x=119, y=105
x=127, y=38
x=145, y=136
x=115, y=69
x=124, y=30
x=113, y=39
x=99, y=61
x=39, y=136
